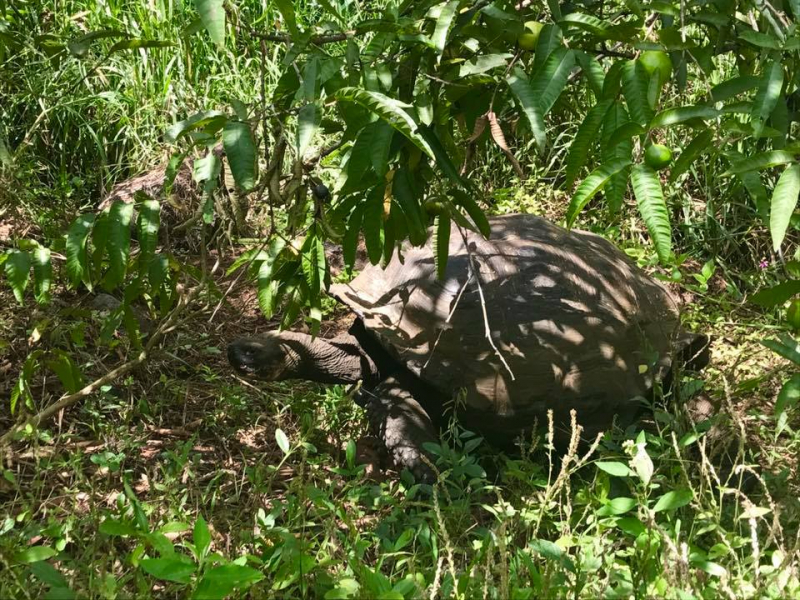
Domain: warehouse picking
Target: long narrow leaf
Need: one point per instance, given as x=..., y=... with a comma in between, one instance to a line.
x=77, y=260
x=769, y=91
x=586, y=136
x=240, y=149
x=784, y=201
x=733, y=87
x=441, y=244
x=119, y=241
x=676, y=116
x=518, y=82
x=18, y=272
x=443, y=23
x=42, y=274
x=759, y=162
x=149, y=222
x=701, y=143
x=212, y=15
x=551, y=80
x=634, y=86
x=650, y=198
x=590, y=186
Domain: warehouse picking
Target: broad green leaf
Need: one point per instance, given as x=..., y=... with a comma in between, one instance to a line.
x=441, y=155
x=593, y=71
x=157, y=271
x=784, y=201
x=700, y=144
x=616, y=147
x=676, y=116
x=390, y=110
x=551, y=80
x=769, y=91
x=787, y=348
x=286, y=8
x=77, y=260
x=169, y=569
x=518, y=82
x=673, y=500
x=373, y=226
x=762, y=40
x=441, y=244
x=234, y=575
x=380, y=147
x=481, y=64
x=650, y=199
x=789, y=394
x=47, y=573
x=617, y=506
x=625, y=134
x=634, y=86
x=588, y=23
x=149, y=222
x=587, y=135
x=119, y=241
x=443, y=23
x=240, y=149
x=617, y=469
x=34, y=554
x=283, y=441
x=550, y=38
x=267, y=288
x=212, y=15
x=733, y=87
x=403, y=192
x=42, y=274
x=201, y=536
x=473, y=210
x=18, y=272
x=776, y=295
x=314, y=265
x=590, y=186
x=759, y=162
x=66, y=370
x=350, y=241
x=213, y=119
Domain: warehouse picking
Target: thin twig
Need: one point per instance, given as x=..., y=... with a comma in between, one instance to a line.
x=474, y=275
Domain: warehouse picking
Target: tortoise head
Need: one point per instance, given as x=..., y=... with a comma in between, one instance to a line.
x=263, y=357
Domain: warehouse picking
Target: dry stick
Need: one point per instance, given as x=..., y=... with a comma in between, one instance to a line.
x=90, y=389
x=284, y=38
x=487, y=328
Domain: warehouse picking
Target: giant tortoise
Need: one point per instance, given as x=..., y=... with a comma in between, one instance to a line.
x=574, y=325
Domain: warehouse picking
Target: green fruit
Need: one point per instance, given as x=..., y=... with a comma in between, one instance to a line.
x=656, y=61
x=657, y=156
x=793, y=314
x=434, y=207
x=527, y=40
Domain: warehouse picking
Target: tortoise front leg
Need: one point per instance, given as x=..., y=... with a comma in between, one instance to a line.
x=403, y=426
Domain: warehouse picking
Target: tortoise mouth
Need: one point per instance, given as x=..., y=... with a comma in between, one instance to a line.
x=242, y=356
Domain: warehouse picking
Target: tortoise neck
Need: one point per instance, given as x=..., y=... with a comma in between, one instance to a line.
x=337, y=360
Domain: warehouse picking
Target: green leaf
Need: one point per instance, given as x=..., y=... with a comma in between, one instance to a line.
x=588, y=23
x=590, y=186
x=551, y=80
x=234, y=575
x=282, y=440
x=314, y=265
x=617, y=506
x=212, y=119
x=788, y=348
x=443, y=23
x=441, y=244
x=776, y=295
x=77, y=260
x=585, y=137
x=350, y=241
x=789, y=394
x=212, y=15
x=267, y=288
x=649, y=197
x=676, y=116
x=481, y=64
x=66, y=370
x=286, y=8
x=634, y=87
x=201, y=536
x=518, y=82
x=617, y=469
x=380, y=147
x=47, y=573
x=593, y=70
x=616, y=147
x=441, y=156
x=373, y=226
x=18, y=272
x=149, y=222
x=473, y=210
x=673, y=500
x=42, y=274
x=700, y=144
x=784, y=201
x=769, y=90
x=169, y=569
x=308, y=120
x=119, y=241
x=34, y=554
x=550, y=38
x=390, y=110
x=403, y=192
x=733, y=87
x=759, y=162
x=240, y=148
x=762, y=40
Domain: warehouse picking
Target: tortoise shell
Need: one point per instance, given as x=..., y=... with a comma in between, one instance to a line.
x=577, y=323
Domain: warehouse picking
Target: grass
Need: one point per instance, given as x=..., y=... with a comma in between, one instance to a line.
x=182, y=479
